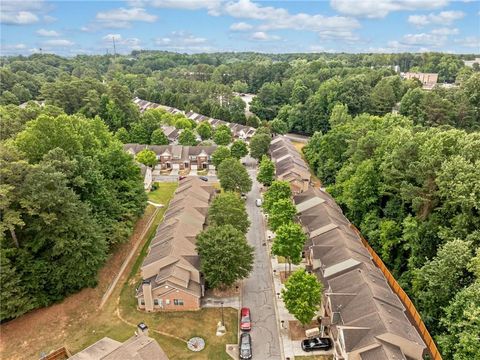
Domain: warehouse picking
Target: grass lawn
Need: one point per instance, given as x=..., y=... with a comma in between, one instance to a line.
x=77, y=322
x=164, y=192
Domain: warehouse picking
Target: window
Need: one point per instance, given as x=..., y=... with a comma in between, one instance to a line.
x=167, y=301
x=178, y=301
x=142, y=302
x=155, y=302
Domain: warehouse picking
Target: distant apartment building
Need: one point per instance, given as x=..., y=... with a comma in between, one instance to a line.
x=361, y=313
x=171, y=270
x=428, y=80
x=177, y=156
x=138, y=347
x=470, y=63
x=289, y=165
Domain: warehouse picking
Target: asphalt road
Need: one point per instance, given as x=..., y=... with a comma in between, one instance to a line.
x=258, y=290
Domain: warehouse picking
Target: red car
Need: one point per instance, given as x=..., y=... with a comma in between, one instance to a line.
x=245, y=321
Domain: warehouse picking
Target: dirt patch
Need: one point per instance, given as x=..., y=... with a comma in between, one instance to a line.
x=217, y=293
x=297, y=332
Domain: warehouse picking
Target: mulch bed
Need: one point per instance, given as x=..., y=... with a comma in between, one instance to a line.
x=297, y=331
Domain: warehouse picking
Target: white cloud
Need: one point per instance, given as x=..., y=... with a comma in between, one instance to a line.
x=47, y=33
x=442, y=18
x=380, y=9
x=263, y=36
x=24, y=12
x=279, y=18
x=110, y=37
x=181, y=39
x=18, y=18
x=445, y=31
x=424, y=39
x=58, y=43
x=469, y=41
x=241, y=26
x=49, y=19
x=121, y=18
x=212, y=6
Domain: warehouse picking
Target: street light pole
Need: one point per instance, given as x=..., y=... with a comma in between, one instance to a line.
x=221, y=304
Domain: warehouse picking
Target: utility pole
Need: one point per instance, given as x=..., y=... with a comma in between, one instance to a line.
x=223, y=322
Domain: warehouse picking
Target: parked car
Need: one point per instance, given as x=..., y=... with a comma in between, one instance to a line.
x=204, y=178
x=317, y=343
x=258, y=202
x=245, y=320
x=181, y=177
x=245, y=347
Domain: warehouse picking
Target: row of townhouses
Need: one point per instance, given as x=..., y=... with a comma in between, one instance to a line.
x=289, y=164
x=171, y=270
x=364, y=317
x=177, y=156
x=239, y=131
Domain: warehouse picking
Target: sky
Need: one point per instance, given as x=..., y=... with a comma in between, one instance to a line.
x=73, y=27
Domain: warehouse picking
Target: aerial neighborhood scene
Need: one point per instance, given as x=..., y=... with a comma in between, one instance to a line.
x=240, y=179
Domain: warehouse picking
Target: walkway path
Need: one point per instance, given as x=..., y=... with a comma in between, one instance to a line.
x=258, y=291
x=110, y=289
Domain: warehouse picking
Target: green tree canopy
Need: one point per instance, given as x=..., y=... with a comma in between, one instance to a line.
x=281, y=212
x=147, y=157
x=259, y=144
x=221, y=153
x=229, y=208
x=239, y=149
x=266, y=171
x=277, y=191
x=302, y=296
x=288, y=242
x=225, y=256
x=204, y=130
x=159, y=138
x=233, y=176
x=278, y=126
x=187, y=138
x=222, y=137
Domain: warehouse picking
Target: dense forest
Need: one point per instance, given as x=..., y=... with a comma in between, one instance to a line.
x=402, y=162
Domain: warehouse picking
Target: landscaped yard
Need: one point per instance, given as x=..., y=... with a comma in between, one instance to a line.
x=77, y=322
x=163, y=194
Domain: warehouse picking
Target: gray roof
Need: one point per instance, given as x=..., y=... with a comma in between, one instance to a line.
x=372, y=317
x=138, y=347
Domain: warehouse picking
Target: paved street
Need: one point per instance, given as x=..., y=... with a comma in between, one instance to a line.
x=258, y=290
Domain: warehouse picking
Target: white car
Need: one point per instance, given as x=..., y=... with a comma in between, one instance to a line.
x=258, y=202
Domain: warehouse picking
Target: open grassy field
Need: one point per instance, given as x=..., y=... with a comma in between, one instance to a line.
x=77, y=322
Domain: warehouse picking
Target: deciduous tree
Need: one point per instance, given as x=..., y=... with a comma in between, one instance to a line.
x=239, y=149
x=233, y=176
x=266, y=171
x=281, y=212
x=220, y=154
x=259, y=144
x=229, y=209
x=147, y=157
x=225, y=256
x=277, y=191
x=288, y=242
x=302, y=296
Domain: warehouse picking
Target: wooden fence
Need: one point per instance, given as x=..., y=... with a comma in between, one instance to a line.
x=59, y=354
x=411, y=310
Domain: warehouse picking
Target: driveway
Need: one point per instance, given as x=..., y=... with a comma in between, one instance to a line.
x=258, y=289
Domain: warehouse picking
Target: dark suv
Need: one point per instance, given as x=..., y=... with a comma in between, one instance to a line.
x=316, y=343
x=245, y=347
